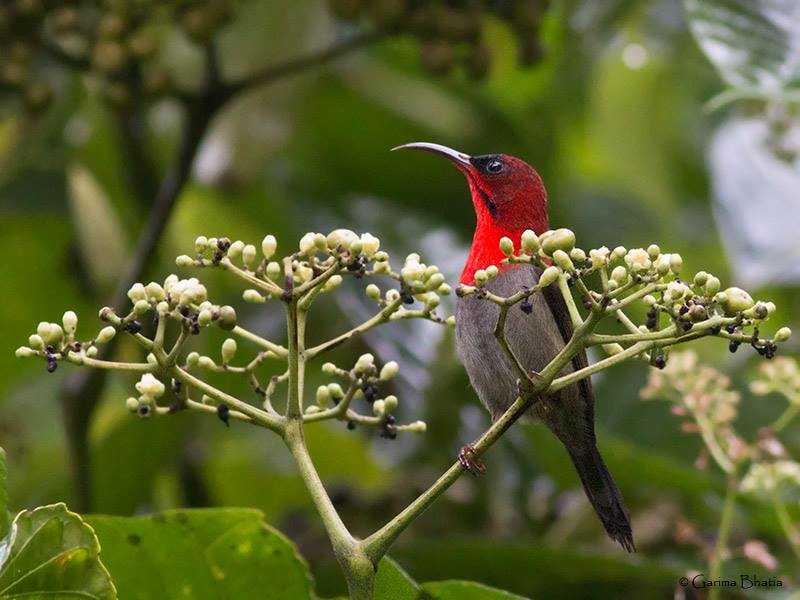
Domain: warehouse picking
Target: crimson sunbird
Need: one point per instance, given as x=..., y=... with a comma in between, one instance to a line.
x=509, y=197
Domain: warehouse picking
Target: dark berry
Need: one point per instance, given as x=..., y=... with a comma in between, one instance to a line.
x=733, y=346
x=223, y=412
x=526, y=306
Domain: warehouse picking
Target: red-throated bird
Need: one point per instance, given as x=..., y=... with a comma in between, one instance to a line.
x=509, y=197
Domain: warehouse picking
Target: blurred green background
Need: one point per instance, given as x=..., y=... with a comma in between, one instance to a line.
x=612, y=114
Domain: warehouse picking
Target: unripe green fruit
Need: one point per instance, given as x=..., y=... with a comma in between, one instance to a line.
x=736, y=300
x=227, y=318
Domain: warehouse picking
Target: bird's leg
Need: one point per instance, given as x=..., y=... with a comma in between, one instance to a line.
x=468, y=460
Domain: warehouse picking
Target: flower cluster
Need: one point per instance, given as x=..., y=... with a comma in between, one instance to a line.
x=704, y=396
x=363, y=382
x=608, y=281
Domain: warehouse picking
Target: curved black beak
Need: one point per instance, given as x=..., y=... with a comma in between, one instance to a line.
x=459, y=158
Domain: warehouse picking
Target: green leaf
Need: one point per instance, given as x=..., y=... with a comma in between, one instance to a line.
x=215, y=553
x=753, y=45
x=393, y=583
x=465, y=590
x=3, y=494
x=52, y=552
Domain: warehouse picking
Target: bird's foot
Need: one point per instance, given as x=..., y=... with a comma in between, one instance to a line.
x=468, y=460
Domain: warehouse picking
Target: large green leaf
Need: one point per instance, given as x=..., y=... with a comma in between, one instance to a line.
x=51, y=552
x=393, y=583
x=752, y=44
x=465, y=590
x=202, y=553
x=3, y=494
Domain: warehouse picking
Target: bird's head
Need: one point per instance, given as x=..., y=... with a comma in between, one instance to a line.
x=508, y=195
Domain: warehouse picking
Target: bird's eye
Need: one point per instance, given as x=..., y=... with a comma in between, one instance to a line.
x=494, y=167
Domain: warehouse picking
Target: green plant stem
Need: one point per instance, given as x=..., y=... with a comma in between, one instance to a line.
x=785, y=418
x=789, y=530
x=723, y=534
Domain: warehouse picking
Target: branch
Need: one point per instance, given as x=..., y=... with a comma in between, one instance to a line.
x=296, y=65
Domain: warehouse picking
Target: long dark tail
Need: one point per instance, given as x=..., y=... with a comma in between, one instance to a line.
x=604, y=496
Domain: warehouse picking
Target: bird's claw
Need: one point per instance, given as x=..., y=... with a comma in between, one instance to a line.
x=468, y=460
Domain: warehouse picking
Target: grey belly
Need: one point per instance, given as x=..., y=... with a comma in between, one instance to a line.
x=534, y=338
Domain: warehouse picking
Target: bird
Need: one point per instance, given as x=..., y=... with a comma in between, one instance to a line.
x=509, y=197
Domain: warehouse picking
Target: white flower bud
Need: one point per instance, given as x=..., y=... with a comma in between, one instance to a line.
x=323, y=395
x=444, y=290
x=390, y=404
x=577, y=255
x=649, y=300
x=437, y=279
x=201, y=244
x=162, y=308
x=653, y=251
x=329, y=368
x=340, y=238
x=141, y=307
x=392, y=295
x=676, y=263
x=612, y=285
x=274, y=271
x=364, y=363
x=249, y=255
x=36, y=342
x=137, y=292
x=619, y=274
x=712, y=285
x=700, y=278
x=562, y=259
x=91, y=351
x=251, y=295
x=70, y=321
x=783, y=334
x=132, y=404
x=154, y=292
x=618, y=252
x=336, y=391
x=560, y=239
x=355, y=246
x=235, y=251
x=389, y=370
x=184, y=261
x=416, y=427
x=149, y=386
x=599, y=256
x=206, y=362
x=228, y=350
x=369, y=244
x=529, y=242
x=548, y=276
x=106, y=335
x=506, y=246
x=24, y=352
x=481, y=277
x=373, y=291
x=192, y=359
x=662, y=264
x=268, y=246
x=204, y=317
x=307, y=244
x=491, y=272
x=334, y=282
x=378, y=408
